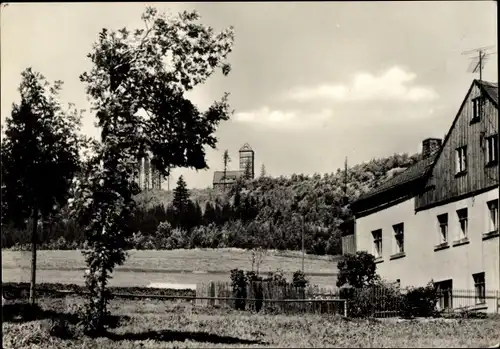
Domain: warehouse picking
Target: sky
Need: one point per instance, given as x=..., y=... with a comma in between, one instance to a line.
x=311, y=82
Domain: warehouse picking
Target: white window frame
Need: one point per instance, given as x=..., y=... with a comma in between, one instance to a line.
x=378, y=246
x=479, y=287
x=461, y=159
x=492, y=215
x=399, y=237
x=463, y=223
x=491, y=149
x=443, y=228
x=477, y=108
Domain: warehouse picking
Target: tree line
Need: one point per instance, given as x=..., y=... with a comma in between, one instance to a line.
x=266, y=212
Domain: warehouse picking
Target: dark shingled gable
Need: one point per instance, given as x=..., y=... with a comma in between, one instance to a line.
x=490, y=88
x=232, y=176
x=412, y=173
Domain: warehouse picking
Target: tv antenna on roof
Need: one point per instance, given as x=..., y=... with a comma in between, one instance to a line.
x=478, y=62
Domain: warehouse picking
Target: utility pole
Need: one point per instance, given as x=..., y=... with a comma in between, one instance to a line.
x=303, y=249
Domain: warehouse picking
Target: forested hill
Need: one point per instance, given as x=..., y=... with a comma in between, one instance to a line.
x=311, y=189
x=277, y=203
x=264, y=212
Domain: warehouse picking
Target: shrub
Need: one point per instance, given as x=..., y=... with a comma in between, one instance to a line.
x=239, y=286
x=357, y=270
x=299, y=279
x=372, y=300
x=420, y=301
x=254, y=282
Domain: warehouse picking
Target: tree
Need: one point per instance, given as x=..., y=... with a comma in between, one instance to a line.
x=263, y=171
x=357, y=270
x=248, y=170
x=130, y=74
x=226, y=160
x=40, y=157
x=181, y=196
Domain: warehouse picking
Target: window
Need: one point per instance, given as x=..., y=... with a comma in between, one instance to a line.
x=492, y=149
x=377, y=243
x=463, y=223
x=477, y=108
x=493, y=215
x=445, y=293
x=443, y=228
x=461, y=159
x=480, y=288
x=399, y=236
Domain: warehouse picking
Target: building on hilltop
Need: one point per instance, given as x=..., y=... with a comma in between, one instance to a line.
x=247, y=169
x=438, y=219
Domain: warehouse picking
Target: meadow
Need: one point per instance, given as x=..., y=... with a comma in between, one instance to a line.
x=156, y=324
x=182, y=266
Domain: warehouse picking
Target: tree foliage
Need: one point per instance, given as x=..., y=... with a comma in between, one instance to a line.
x=357, y=270
x=131, y=73
x=39, y=155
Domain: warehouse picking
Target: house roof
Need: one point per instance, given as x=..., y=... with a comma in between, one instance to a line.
x=231, y=176
x=490, y=88
x=411, y=174
x=424, y=167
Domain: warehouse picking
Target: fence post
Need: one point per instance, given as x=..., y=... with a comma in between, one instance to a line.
x=345, y=307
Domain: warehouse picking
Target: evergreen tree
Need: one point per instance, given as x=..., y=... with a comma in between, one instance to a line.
x=262, y=171
x=248, y=171
x=209, y=216
x=181, y=196
x=226, y=160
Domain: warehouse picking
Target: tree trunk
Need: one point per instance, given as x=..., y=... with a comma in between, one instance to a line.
x=102, y=301
x=34, y=238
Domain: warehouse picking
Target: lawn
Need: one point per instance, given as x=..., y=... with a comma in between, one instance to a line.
x=156, y=324
x=175, y=266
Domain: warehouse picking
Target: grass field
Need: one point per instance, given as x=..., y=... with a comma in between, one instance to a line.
x=173, y=267
x=156, y=324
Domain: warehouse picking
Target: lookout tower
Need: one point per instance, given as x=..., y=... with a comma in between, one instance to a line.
x=247, y=160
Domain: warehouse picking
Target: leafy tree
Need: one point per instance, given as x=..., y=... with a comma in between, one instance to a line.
x=130, y=73
x=40, y=157
x=226, y=160
x=357, y=270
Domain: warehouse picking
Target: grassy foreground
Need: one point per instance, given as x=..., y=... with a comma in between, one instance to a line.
x=156, y=324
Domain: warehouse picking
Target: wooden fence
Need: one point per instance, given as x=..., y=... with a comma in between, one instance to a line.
x=383, y=301
x=270, y=297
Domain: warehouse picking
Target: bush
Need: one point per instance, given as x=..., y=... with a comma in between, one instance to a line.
x=299, y=279
x=420, y=301
x=371, y=300
x=239, y=286
x=357, y=270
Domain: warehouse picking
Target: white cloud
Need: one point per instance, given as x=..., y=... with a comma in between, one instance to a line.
x=393, y=85
x=282, y=118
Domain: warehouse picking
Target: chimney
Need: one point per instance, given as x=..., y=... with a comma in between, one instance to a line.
x=430, y=146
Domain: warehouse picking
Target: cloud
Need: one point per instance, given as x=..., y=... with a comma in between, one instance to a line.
x=283, y=118
x=392, y=85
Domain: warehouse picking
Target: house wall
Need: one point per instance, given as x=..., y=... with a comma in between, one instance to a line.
x=444, y=185
x=421, y=262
